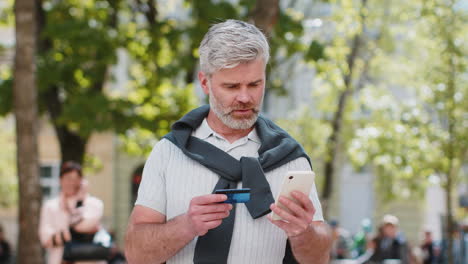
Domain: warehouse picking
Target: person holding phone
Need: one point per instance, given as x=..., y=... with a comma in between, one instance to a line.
x=178, y=217
x=73, y=211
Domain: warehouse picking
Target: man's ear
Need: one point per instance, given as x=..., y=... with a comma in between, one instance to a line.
x=203, y=78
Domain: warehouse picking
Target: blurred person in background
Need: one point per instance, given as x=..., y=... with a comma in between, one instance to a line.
x=5, y=249
x=464, y=229
x=460, y=240
x=389, y=244
x=73, y=213
x=117, y=255
x=362, y=239
x=341, y=241
x=427, y=247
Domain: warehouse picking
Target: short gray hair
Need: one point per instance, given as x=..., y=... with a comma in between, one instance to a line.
x=230, y=43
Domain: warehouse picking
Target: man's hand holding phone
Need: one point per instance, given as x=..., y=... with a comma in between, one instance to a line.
x=293, y=210
x=207, y=212
x=298, y=215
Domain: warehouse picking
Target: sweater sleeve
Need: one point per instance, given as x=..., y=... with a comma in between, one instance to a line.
x=51, y=221
x=152, y=190
x=46, y=229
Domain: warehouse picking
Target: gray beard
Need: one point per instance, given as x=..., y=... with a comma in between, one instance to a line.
x=227, y=119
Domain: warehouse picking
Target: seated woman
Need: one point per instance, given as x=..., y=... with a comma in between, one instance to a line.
x=74, y=210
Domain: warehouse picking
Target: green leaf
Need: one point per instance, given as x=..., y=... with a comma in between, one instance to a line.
x=315, y=51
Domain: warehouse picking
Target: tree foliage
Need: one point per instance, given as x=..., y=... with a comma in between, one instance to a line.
x=417, y=126
x=416, y=142
x=341, y=62
x=407, y=114
x=81, y=43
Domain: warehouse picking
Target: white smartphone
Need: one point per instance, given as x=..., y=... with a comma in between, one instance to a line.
x=294, y=181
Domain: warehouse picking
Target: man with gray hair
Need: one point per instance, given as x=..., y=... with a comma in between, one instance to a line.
x=177, y=218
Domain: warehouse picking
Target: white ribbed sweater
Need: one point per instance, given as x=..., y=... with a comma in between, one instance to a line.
x=171, y=180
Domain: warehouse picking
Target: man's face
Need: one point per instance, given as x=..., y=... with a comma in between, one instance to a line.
x=390, y=230
x=236, y=94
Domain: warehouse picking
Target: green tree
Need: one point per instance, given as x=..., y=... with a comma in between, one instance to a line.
x=78, y=47
x=342, y=64
x=356, y=80
x=344, y=59
x=426, y=137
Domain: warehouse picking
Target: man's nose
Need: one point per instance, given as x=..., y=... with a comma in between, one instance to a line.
x=243, y=96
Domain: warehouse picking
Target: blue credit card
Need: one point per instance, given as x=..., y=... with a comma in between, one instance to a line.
x=235, y=195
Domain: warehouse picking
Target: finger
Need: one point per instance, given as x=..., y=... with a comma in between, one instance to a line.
x=209, y=199
x=296, y=209
x=49, y=243
x=57, y=239
x=66, y=235
x=287, y=216
x=304, y=200
x=213, y=208
x=279, y=223
x=290, y=229
x=213, y=224
x=214, y=216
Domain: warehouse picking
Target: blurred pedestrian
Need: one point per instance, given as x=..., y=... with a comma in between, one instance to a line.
x=427, y=247
x=5, y=249
x=362, y=238
x=341, y=241
x=116, y=256
x=458, y=242
x=389, y=244
x=73, y=212
x=464, y=241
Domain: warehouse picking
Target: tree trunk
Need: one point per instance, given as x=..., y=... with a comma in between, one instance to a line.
x=333, y=142
x=333, y=148
x=451, y=175
x=451, y=171
x=449, y=218
x=72, y=145
x=265, y=15
x=26, y=113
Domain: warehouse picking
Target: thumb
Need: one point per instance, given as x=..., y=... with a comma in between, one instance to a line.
x=58, y=239
x=66, y=235
x=49, y=243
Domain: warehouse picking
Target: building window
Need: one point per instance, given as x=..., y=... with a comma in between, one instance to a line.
x=50, y=182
